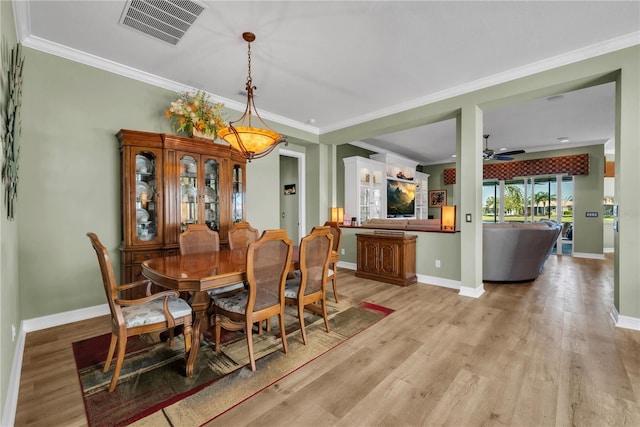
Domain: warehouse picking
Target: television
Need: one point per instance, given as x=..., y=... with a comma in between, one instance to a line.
x=401, y=196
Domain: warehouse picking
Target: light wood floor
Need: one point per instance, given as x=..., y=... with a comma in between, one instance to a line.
x=539, y=354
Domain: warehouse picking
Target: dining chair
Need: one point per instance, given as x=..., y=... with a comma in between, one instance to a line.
x=241, y=234
x=311, y=287
x=199, y=238
x=268, y=260
x=153, y=313
x=336, y=231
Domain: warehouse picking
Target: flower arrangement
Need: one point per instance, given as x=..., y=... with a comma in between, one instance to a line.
x=194, y=113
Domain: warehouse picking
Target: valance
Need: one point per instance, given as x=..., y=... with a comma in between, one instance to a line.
x=571, y=165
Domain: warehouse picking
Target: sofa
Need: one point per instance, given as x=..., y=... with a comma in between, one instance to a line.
x=516, y=252
x=404, y=224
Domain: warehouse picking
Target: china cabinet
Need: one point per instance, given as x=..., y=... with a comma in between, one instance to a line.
x=387, y=257
x=169, y=182
x=364, y=183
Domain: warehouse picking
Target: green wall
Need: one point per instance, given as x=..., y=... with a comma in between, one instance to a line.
x=69, y=174
x=10, y=311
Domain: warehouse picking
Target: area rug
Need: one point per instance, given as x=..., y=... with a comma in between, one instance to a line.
x=153, y=390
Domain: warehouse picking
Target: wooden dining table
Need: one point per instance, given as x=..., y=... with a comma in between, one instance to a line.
x=198, y=273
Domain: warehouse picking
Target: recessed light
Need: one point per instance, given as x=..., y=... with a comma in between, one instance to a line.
x=311, y=121
x=503, y=149
x=454, y=155
x=563, y=139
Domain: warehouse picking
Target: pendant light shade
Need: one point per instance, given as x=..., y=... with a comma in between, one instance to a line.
x=250, y=141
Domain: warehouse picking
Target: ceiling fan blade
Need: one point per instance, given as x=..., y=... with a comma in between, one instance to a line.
x=501, y=157
x=511, y=153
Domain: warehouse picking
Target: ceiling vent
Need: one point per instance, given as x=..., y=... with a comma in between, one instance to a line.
x=166, y=20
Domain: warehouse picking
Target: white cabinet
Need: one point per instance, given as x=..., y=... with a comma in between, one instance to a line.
x=422, y=195
x=364, y=184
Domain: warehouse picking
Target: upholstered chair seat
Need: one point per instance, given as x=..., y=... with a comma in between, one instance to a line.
x=153, y=312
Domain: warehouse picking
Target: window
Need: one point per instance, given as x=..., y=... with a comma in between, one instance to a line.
x=528, y=199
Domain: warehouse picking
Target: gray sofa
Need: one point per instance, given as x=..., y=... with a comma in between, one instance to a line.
x=515, y=252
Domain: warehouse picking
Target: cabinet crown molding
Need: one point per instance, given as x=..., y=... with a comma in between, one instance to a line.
x=394, y=159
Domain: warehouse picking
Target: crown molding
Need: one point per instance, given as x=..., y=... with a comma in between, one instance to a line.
x=577, y=55
x=94, y=61
x=23, y=30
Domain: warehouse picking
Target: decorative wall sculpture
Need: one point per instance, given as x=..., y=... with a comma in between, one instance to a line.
x=10, y=101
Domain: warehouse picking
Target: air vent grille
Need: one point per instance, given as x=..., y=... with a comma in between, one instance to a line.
x=166, y=20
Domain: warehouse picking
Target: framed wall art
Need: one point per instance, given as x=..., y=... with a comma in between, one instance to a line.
x=437, y=198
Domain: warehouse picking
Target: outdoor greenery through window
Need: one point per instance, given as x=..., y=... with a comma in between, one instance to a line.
x=527, y=199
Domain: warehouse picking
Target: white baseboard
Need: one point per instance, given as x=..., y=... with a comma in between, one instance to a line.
x=348, y=265
x=439, y=281
x=471, y=292
x=625, y=322
x=11, y=400
x=58, y=319
x=36, y=324
x=422, y=278
x=588, y=255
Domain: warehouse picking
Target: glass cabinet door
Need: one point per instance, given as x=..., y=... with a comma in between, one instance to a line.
x=148, y=207
x=237, y=194
x=211, y=194
x=188, y=191
x=370, y=194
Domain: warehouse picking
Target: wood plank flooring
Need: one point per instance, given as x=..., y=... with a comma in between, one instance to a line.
x=535, y=354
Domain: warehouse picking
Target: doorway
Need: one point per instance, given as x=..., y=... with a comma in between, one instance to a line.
x=292, y=194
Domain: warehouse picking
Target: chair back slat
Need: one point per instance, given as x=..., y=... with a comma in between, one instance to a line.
x=241, y=235
x=268, y=260
x=199, y=238
x=336, y=231
x=108, y=278
x=315, y=252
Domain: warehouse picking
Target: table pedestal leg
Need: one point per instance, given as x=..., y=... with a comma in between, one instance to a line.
x=199, y=303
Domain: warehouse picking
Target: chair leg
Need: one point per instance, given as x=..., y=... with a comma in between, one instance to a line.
x=283, y=331
x=218, y=329
x=171, y=334
x=112, y=349
x=250, y=347
x=324, y=314
x=301, y=321
x=334, y=279
x=122, y=346
x=187, y=332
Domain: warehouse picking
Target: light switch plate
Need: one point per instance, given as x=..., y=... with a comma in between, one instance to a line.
x=468, y=217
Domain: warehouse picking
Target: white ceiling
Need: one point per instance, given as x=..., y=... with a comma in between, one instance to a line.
x=322, y=66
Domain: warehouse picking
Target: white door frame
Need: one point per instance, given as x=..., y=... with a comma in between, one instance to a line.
x=301, y=190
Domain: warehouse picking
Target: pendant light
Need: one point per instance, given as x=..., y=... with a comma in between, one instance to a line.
x=252, y=142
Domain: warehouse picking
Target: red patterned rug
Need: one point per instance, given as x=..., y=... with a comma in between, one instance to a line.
x=152, y=386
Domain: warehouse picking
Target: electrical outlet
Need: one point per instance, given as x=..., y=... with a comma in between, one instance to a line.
x=13, y=332
x=342, y=251
x=437, y=263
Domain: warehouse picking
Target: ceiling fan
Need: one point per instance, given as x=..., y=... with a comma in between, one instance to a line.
x=489, y=154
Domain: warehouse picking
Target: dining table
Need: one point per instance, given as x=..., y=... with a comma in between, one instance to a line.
x=197, y=274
